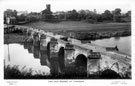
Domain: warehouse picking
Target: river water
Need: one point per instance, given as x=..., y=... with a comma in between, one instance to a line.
x=123, y=43
x=27, y=56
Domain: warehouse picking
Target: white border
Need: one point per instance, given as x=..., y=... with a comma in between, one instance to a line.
x=46, y=82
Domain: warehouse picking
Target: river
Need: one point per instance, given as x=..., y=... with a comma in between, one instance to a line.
x=123, y=43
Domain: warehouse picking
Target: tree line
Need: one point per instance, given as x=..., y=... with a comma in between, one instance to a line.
x=73, y=15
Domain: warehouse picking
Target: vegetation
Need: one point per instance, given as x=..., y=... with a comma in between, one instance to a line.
x=72, y=15
x=79, y=26
x=100, y=35
x=15, y=73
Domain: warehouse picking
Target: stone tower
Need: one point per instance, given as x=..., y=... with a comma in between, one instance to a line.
x=95, y=11
x=48, y=7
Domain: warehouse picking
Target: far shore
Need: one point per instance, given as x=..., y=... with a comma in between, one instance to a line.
x=75, y=29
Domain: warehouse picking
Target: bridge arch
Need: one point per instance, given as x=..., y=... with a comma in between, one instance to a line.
x=81, y=60
x=61, y=57
x=110, y=74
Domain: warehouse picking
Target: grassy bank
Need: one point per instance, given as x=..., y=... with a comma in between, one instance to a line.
x=80, y=26
x=15, y=73
x=96, y=35
x=85, y=31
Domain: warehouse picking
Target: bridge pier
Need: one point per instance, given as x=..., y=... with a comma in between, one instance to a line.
x=36, y=52
x=69, y=55
x=36, y=39
x=30, y=35
x=93, y=63
x=53, y=48
x=44, y=58
x=43, y=42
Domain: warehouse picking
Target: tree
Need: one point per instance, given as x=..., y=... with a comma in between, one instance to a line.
x=10, y=13
x=107, y=15
x=87, y=15
x=126, y=17
x=116, y=14
x=99, y=18
x=128, y=14
x=82, y=14
x=72, y=15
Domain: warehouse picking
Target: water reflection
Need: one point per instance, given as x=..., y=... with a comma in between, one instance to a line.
x=54, y=68
x=21, y=57
x=44, y=60
x=36, y=52
x=25, y=54
x=28, y=46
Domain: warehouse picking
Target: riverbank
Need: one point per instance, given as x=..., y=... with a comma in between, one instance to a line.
x=17, y=37
x=78, y=30
x=92, y=35
x=85, y=31
x=15, y=73
x=79, y=26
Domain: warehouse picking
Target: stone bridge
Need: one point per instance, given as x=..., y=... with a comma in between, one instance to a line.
x=72, y=52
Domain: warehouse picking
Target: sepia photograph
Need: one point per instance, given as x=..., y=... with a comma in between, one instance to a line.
x=67, y=39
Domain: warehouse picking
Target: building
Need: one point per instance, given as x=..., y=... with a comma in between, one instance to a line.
x=48, y=7
x=10, y=20
x=46, y=14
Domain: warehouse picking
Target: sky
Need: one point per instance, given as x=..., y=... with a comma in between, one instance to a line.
x=66, y=5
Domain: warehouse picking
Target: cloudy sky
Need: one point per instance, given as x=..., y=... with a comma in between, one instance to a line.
x=65, y=5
